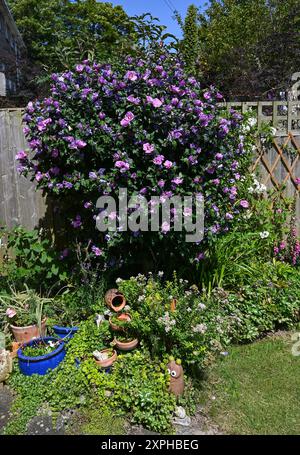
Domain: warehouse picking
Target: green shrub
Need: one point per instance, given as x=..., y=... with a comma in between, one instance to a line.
x=189, y=330
x=31, y=260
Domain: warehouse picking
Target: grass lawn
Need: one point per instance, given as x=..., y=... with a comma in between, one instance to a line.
x=256, y=388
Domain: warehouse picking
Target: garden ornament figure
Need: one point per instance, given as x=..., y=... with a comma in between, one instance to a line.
x=177, y=378
x=5, y=365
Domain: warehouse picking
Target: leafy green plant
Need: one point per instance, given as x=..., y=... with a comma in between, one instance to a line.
x=22, y=308
x=237, y=257
x=32, y=260
x=138, y=385
x=170, y=318
x=77, y=303
x=40, y=349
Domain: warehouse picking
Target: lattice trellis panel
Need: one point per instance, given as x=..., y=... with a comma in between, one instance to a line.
x=281, y=164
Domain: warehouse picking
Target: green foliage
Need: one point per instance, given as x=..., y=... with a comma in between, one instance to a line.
x=237, y=258
x=188, y=331
x=59, y=33
x=30, y=395
x=149, y=31
x=39, y=349
x=89, y=421
x=137, y=385
x=22, y=308
x=79, y=302
x=31, y=260
x=190, y=43
x=242, y=41
x=270, y=302
x=143, y=390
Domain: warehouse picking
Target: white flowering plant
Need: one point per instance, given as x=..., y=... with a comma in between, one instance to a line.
x=171, y=318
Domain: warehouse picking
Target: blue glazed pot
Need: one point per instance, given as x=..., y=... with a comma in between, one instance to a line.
x=41, y=364
x=65, y=333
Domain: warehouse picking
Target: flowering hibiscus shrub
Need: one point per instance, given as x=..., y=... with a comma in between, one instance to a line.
x=144, y=126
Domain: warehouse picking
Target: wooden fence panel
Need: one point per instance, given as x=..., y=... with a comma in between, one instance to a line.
x=20, y=204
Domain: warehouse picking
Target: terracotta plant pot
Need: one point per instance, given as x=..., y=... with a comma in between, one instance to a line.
x=115, y=300
x=122, y=317
x=15, y=346
x=107, y=362
x=173, y=305
x=126, y=345
x=26, y=334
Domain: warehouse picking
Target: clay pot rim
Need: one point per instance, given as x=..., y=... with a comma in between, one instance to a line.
x=16, y=327
x=126, y=320
x=119, y=307
x=22, y=357
x=109, y=300
x=111, y=359
x=133, y=341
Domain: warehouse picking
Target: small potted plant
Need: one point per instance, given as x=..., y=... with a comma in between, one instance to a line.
x=118, y=322
x=41, y=355
x=24, y=314
x=66, y=314
x=105, y=358
x=126, y=340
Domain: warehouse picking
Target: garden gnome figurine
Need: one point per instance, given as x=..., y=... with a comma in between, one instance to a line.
x=177, y=378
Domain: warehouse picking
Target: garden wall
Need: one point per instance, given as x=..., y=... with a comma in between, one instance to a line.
x=280, y=165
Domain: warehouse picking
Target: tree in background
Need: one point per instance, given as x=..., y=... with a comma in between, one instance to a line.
x=190, y=44
x=59, y=33
x=247, y=47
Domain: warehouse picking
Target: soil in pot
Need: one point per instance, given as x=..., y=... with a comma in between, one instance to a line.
x=105, y=358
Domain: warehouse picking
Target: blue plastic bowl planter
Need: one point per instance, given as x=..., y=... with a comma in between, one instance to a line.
x=41, y=364
x=65, y=333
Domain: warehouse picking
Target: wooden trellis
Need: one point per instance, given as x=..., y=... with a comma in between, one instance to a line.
x=280, y=157
x=279, y=164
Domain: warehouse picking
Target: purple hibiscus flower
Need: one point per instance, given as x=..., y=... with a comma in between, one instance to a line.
x=22, y=155
x=177, y=180
x=122, y=165
x=159, y=160
x=168, y=164
x=131, y=75
x=244, y=203
x=133, y=100
x=129, y=116
x=97, y=251
x=148, y=148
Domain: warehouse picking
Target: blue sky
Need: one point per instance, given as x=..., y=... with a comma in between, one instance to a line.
x=159, y=8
